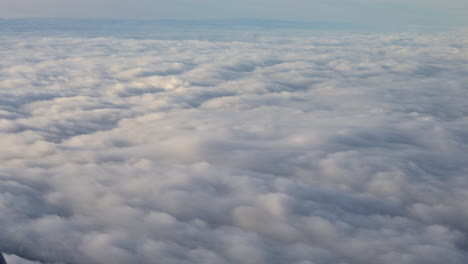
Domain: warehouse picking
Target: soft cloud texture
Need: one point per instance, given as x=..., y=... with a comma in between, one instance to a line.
x=313, y=149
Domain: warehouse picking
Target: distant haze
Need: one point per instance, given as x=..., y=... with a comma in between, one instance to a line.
x=382, y=13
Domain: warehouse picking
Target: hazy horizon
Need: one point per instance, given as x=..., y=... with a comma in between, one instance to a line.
x=381, y=13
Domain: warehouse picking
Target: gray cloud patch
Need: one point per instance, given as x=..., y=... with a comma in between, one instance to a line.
x=319, y=149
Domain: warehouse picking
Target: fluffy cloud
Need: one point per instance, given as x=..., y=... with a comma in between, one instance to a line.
x=316, y=149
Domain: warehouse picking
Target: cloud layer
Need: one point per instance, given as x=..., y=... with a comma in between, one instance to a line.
x=317, y=149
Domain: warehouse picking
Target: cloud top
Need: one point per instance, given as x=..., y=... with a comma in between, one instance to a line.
x=318, y=149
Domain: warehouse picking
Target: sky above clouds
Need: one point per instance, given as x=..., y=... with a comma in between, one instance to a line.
x=382, y=13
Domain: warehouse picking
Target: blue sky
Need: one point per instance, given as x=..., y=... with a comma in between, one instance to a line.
x=375, y=12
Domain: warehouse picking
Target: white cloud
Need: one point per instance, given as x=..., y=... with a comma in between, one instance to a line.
x=319, y=149
x=12, y=259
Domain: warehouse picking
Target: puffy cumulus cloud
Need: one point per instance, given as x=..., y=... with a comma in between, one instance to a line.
x=317, y=149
